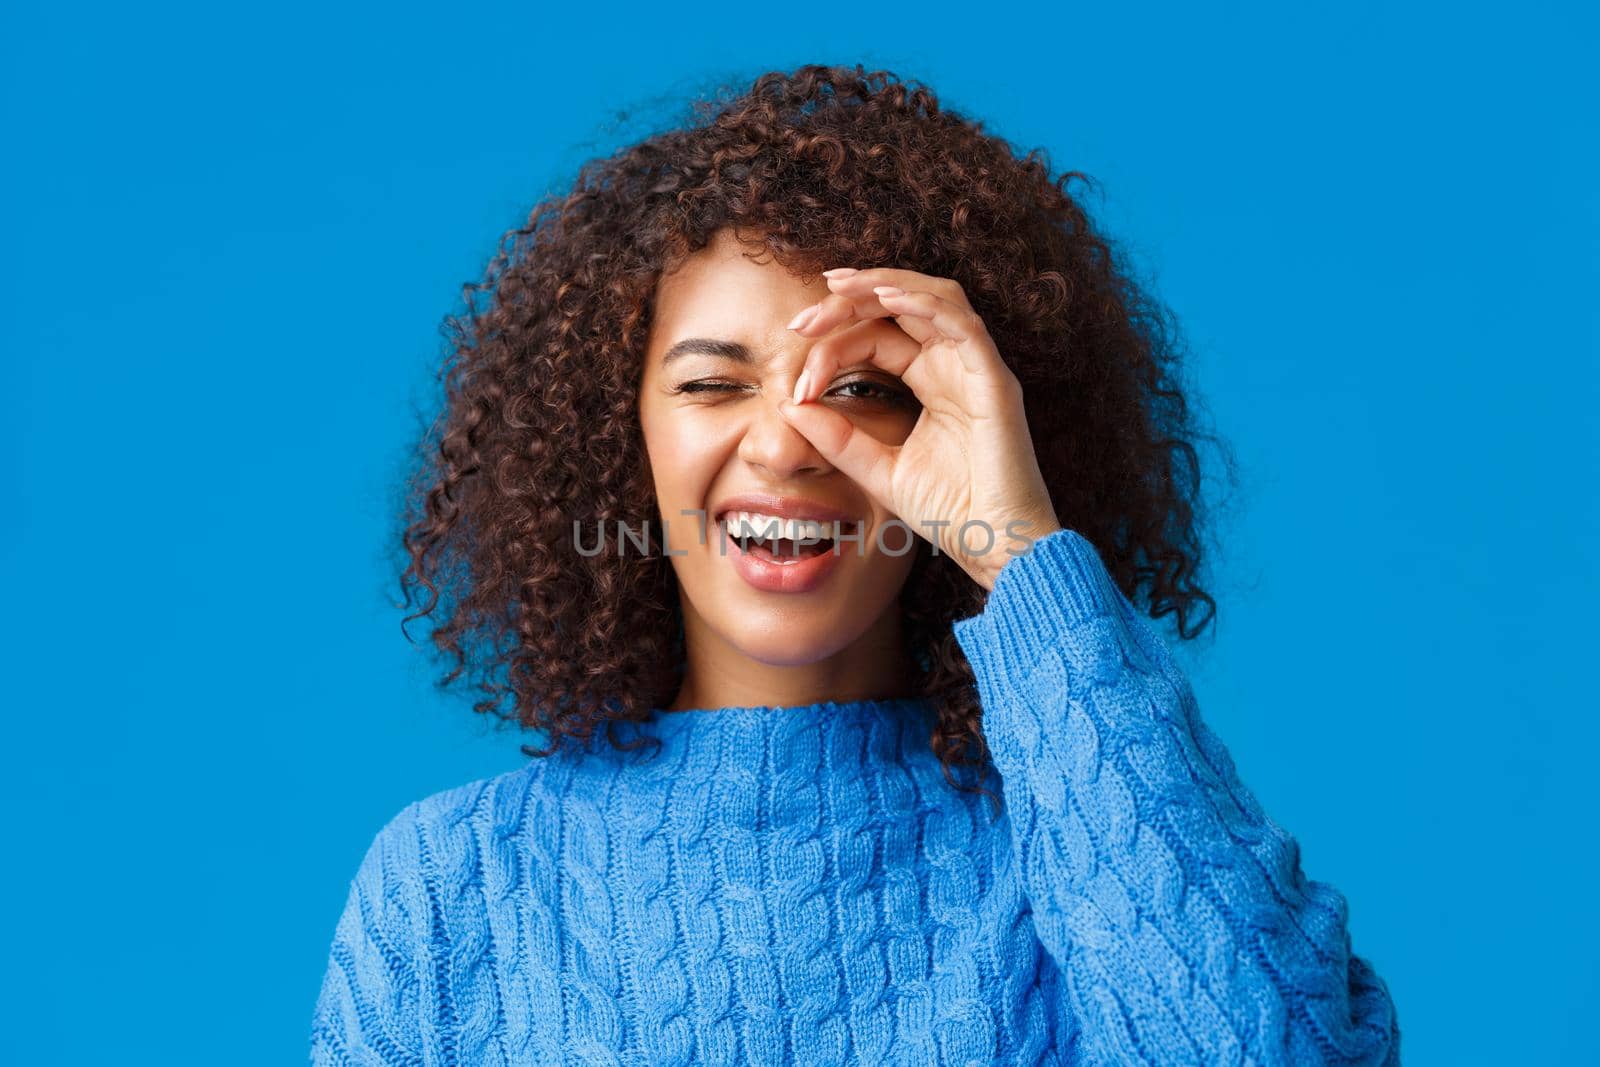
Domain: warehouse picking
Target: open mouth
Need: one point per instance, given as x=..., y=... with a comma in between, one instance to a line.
x=777, y=539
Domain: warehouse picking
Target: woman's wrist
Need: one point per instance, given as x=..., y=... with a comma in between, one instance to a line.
x=985, y=570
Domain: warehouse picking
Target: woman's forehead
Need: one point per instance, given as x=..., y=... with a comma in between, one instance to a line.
x=719, y=290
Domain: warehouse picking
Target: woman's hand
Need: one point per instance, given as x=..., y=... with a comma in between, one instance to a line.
x=966, y=478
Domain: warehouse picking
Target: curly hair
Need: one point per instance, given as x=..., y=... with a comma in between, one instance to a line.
x=824, y=166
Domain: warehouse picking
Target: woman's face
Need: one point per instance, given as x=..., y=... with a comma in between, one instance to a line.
x=719, y=359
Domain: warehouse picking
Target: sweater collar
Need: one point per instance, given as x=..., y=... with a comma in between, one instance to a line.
x=783, y=735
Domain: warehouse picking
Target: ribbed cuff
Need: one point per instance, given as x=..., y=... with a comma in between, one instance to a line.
x=1059, y=584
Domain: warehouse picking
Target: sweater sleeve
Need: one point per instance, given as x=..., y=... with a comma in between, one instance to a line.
x=1175, y=910
x=367, y=1012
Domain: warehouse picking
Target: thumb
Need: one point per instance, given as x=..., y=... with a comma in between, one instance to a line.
x=863, y=458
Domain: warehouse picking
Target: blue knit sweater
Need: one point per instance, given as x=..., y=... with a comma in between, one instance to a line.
x=802, y=885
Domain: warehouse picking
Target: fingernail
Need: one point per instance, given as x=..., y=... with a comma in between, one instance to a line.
x=840, y=272
x=805, y=316
x=888, y=290
x=800, y=387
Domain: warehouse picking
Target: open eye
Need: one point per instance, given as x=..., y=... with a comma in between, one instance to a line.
x=867, y=389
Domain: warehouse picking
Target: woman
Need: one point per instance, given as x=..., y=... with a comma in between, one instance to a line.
x=799, y=472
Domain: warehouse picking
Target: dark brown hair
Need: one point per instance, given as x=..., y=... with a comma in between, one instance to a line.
x=825, y=166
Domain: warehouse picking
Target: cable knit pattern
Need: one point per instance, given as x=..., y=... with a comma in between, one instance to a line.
x=1176, y=909
x=800, y=885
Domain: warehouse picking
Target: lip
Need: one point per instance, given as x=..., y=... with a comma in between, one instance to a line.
x=799, y=574
x=785, y=574
x=784, y=507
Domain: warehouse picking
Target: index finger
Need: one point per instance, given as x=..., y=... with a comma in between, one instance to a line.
x=851, y=299
x=855, y=284
x=875, y=342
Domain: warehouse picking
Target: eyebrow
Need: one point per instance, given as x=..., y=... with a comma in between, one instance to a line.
x=707, y=346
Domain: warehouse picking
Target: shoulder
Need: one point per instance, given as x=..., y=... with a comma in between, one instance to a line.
x=424, y=858
x=445, y=835
x=438, y=850
x=401, y=845
x=494, y=804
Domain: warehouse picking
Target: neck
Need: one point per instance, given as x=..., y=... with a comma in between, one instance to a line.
x=717, y=674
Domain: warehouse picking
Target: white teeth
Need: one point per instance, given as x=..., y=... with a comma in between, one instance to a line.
x=761, y=527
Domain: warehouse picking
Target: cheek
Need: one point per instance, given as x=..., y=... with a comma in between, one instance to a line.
x=891, y=428
x=885, y=559
x=684, y=456
x=896, y=564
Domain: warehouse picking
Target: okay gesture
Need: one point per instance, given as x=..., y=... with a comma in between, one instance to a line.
x=970, y=458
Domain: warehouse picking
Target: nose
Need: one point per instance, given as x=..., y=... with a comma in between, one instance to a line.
x=771, y=443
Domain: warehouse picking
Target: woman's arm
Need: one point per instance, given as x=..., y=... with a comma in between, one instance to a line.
x=368, y=1011
x=1175, y=909
x=1176, y=912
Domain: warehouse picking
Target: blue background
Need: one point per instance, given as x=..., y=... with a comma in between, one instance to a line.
x=232, y=235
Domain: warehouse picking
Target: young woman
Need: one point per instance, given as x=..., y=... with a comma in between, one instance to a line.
x=797, y=477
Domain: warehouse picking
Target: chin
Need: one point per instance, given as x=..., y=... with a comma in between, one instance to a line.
x=791, y=630
x=781, y=641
